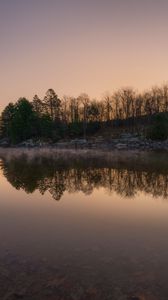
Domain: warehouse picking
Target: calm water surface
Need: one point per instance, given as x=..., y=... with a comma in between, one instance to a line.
x=83, y=226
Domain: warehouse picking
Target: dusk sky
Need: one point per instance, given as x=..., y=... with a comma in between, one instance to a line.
x=76, y=46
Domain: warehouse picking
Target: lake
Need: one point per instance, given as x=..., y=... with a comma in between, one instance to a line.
x=83, y=225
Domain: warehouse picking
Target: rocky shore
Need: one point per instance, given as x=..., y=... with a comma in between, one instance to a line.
x=124, y=142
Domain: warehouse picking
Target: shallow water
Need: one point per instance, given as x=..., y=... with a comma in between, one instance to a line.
x=83, y=226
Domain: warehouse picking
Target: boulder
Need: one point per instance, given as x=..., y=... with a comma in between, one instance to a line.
x=121, y=146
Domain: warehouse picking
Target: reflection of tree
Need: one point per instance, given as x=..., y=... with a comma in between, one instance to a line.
x=58, y=176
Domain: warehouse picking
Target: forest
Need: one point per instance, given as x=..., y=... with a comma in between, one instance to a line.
x=52, y=118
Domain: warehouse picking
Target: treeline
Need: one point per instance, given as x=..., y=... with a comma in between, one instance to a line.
x=57, y=118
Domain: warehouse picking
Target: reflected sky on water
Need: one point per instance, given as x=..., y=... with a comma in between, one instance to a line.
x=85, y=210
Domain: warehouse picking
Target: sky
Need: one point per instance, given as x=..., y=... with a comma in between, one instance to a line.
x=76, y=46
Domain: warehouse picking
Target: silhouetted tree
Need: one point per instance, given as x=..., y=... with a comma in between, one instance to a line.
x=38, y=105
x=52, y=105
x=6, y=120
x=23, y=121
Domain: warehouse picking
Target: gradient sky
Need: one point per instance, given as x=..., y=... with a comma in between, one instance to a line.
x=76, y=46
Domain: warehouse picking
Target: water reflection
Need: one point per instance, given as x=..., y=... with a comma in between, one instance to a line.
x=110, y=245
x=59, y=174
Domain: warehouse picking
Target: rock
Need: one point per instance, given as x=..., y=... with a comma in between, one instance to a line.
x=4, y=142
x=121, y=146
x=78, y=141
x=126, y=136
x=27, y=143
x=99, y=139
x=134, y=140
x=61, y=145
